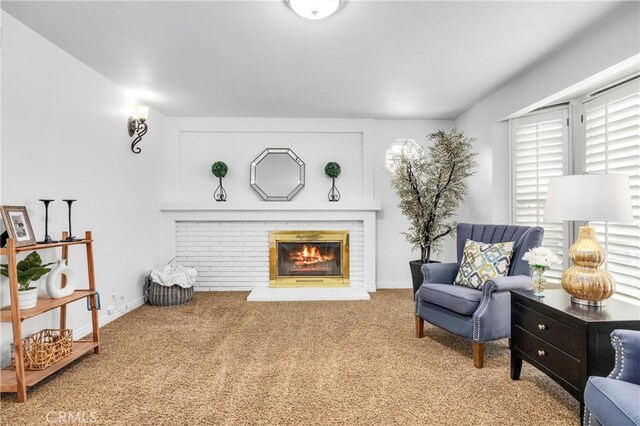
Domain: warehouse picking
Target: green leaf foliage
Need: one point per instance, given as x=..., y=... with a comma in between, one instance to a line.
x=332, y=169
x=29, y=269
x=431, y=186
x=219, y=169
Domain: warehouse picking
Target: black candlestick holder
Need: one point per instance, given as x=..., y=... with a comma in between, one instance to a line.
x=71, y=237
x=220, y=194
x=334, y=194
x=47, y=239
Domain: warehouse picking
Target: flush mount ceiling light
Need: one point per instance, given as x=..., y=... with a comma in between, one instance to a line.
x=314, y=9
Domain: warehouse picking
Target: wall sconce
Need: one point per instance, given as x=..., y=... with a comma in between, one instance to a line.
x=137, y=126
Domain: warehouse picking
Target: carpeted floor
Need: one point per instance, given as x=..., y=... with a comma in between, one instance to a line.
x=222, y=360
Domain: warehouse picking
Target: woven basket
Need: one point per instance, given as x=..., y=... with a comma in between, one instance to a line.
x=45, y=348
x=159, y=295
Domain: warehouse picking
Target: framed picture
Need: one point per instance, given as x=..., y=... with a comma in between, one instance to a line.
x=16, y=221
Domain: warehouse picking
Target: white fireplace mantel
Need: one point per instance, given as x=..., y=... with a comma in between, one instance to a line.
x=289, y=213
x=258, y=206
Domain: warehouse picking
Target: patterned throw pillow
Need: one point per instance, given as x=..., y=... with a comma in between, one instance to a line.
x=481, y=262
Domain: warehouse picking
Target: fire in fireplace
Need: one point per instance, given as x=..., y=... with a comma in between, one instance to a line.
x=300, y=259
x=309, y=258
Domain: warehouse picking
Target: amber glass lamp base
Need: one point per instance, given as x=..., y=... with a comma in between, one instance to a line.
x=586, y=282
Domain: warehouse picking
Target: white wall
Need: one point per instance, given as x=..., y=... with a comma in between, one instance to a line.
x=64, y=136
x=394, y=253
x=193, y=144
x=606, y=44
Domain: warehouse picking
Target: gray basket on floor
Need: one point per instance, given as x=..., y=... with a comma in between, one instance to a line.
x=159, y=295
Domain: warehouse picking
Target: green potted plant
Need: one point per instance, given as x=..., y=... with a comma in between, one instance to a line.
x=29, y=269
x=431, y=187
x=333, y=170
x=219, y=170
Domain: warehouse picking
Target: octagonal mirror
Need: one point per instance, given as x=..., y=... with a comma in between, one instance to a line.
x=277, y=174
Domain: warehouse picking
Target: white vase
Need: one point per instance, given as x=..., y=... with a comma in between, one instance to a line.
x=54, y=290
x=28, y=299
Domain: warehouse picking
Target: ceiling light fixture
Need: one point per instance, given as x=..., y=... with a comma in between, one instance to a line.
x=314, y=9
x=137, y=127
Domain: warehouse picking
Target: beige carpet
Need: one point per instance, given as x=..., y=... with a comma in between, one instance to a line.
x=222, y=360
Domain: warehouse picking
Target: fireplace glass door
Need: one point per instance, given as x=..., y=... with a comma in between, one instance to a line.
x=304, y=259
x=309, y=259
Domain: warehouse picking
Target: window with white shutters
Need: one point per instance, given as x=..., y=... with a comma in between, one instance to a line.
x=612, y=145
x=539, y=148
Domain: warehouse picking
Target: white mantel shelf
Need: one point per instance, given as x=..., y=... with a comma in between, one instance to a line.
x=179, y=206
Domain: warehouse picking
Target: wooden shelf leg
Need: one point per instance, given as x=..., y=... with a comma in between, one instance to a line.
x=92, y=298
x=21, y=388
x=63, y=282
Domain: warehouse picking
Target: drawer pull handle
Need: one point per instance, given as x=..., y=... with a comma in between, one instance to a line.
x=542, y=326
x=542, y=353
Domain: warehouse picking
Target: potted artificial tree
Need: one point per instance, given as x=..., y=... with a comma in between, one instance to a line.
x=219, y=170
x=333, y=170
x=430, y=188
x=29, y=269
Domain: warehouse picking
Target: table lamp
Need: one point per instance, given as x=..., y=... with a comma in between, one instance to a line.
x=598, y=198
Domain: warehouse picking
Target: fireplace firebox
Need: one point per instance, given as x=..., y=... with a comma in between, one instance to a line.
x=309, y=259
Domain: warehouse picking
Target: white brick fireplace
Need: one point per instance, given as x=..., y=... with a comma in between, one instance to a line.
x=229, y=244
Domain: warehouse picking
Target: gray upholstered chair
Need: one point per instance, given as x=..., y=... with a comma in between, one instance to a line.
x=615, y=400
x=479, y=315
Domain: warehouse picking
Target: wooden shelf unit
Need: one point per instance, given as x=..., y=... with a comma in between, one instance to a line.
x=17, y=380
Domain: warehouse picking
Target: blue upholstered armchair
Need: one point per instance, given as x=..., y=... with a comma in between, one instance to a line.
x=615, y=400
x=478, y=315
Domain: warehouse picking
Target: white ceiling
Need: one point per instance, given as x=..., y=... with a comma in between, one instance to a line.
x=372, y=59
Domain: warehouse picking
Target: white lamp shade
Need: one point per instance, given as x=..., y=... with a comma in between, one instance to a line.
x=314, y=9
x=142, y=112
x=597, y=198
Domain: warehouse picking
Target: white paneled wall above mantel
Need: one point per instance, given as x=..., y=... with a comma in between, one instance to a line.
x=195, y=143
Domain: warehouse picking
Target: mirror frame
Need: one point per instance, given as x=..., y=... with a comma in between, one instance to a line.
x=255, y=185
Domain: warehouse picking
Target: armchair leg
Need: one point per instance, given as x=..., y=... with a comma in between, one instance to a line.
x=478, y=354
x=419, y=327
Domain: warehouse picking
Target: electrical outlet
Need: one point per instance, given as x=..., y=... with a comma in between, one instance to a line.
x=110, y=310
x=113, y=292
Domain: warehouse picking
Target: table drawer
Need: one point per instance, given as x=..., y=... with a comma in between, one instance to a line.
x=548, y=356
x=550, y=330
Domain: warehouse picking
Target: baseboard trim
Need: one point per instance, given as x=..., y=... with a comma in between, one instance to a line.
x=394, y=284
x=223, y=288
x=105, y=319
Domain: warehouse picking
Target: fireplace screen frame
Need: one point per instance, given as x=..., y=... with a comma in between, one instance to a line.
x=309, y=237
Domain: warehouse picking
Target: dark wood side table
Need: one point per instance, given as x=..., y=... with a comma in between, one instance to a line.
x=566, y=341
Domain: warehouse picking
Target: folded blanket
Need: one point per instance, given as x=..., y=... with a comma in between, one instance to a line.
x=174, y=275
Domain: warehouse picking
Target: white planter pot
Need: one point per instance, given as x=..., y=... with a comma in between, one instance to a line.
x=53, y=287
x=28, y=299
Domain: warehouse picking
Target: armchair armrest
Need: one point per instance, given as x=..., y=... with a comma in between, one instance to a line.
x=492, y=318
x=627, y=346
x=514, y=282
x=439, y=273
